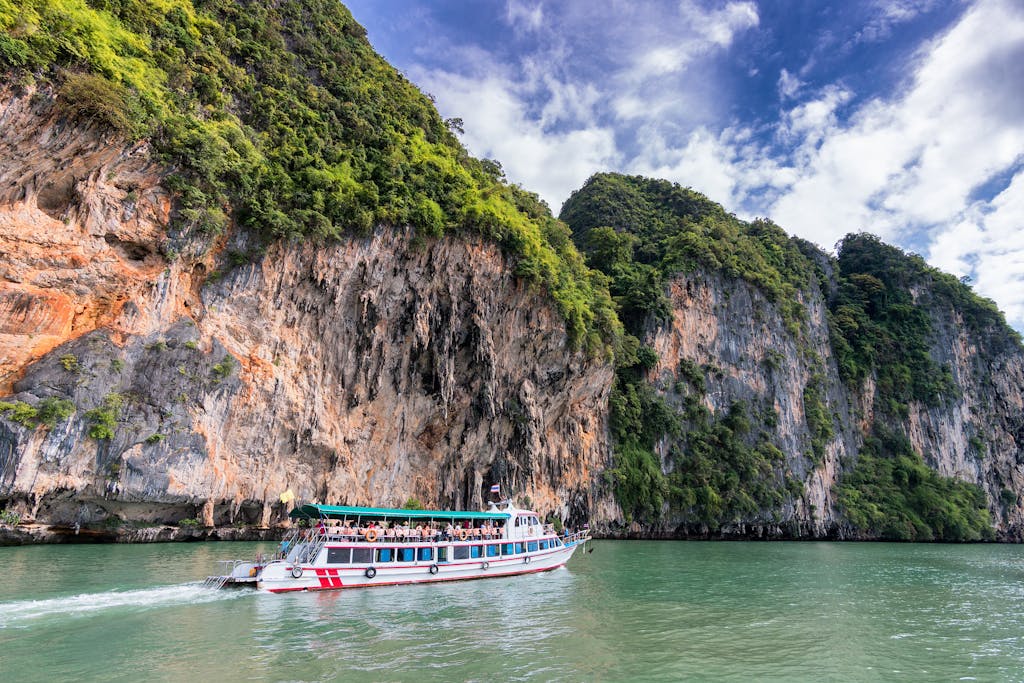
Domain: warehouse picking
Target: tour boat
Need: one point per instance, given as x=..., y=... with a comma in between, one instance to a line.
x=336, y=547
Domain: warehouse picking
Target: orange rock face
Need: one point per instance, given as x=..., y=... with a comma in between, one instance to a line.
x=364, y=371
x=82, y=219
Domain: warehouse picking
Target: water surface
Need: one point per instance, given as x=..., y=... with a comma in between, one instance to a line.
x=629, y=611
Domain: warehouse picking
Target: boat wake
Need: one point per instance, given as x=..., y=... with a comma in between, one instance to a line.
x=25, y=612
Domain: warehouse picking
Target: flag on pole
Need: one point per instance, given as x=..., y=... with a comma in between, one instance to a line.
x=496, y=488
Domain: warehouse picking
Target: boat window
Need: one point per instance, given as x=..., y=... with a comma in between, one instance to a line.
x=338, y=555
x=506, y=549
x=460, y=552
x=519, y=547
x=442, y=554
x=385, y=554
x=426, y=553
x=406, y=554
x=531, y=546
x=474, y=551
x=543, y=545
x=362, y=555
x=492, y=550
x=517, y=521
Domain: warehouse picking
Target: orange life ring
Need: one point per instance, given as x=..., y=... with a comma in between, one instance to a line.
x=463, y=534
x=371, y=535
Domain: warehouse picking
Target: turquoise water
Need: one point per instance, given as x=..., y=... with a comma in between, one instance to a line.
x=629, y=611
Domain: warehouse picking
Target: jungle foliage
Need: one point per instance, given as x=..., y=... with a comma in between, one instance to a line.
x=49, y=412
x=281, y=117
x=880, y=324
x=892, y=494
x=723, y=468
x=641, y=232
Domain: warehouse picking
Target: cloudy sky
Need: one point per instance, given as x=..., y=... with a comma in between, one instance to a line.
x=900, y=117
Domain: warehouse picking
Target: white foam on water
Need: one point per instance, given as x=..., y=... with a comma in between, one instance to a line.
x=23, y=612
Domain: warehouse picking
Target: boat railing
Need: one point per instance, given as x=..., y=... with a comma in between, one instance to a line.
x=380, y=536
x=576, y=537
x=304, y=544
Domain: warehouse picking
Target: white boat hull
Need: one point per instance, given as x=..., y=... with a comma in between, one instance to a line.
x=277, y=576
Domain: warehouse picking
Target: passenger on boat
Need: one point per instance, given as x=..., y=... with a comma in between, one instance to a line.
x=449, y=532
x=389, y=530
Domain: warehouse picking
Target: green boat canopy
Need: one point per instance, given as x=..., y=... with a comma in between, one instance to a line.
x=343, y=511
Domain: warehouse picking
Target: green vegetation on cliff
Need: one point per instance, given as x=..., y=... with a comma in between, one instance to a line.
x=880, y=323
x=881, y=326
x=281, y=117
x=715, y=469
x=892, y=494
x=641, y=232
x=49, y=412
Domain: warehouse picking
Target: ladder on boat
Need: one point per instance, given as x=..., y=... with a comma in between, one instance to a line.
x=227, y=574
x=216, y=582
x=313, y=550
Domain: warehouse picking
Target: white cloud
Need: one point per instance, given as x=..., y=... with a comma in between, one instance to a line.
x=727, y=167
x=523, y=16
x=788, y=85
x=721, y=26
x=988, y=246
x=903, y=165
x=810, y=122
x=912, y=162
x=499, y=125
x=551, y=131
x=695, y=33
x=889, y=13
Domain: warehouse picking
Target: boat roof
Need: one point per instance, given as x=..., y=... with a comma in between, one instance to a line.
x=317, y=511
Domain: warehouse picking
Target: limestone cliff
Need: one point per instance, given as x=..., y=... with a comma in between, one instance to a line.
x=779, y=392
x=366, y=371
x=297, y=278
x=739, y=339
x=746, y=354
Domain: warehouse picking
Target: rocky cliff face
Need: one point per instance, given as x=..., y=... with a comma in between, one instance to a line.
x=373, y=370
x=746, y=354
x=740, y=341
x=977, y=433
x=367, y=371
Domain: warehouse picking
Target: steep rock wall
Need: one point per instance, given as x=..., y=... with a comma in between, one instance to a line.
x=976, y=434
x=384, y=368
x=368, y=371
x=82, y=222
x=747, y=353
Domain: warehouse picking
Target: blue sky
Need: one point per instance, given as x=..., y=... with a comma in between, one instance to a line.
x=901, y=117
